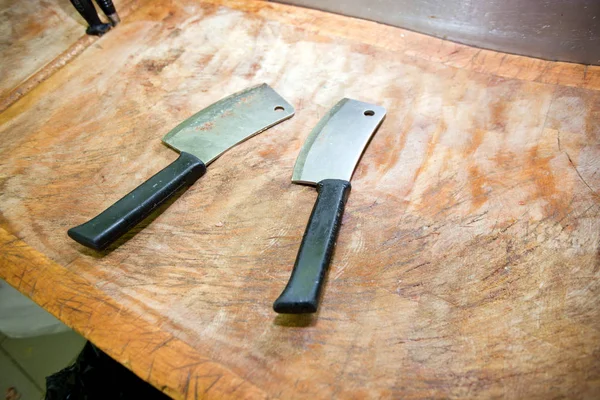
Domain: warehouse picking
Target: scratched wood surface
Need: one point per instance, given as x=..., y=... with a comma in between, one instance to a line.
x=33, y=34
x=37, y=37
x=468, y=262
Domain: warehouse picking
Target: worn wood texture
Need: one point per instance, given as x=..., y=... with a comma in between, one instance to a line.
x=469, y=258
x=37, y=38
x=33, y=34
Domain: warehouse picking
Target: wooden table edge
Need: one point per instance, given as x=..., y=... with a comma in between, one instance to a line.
x=55, y=287
x=64, y=58
x=86, y=309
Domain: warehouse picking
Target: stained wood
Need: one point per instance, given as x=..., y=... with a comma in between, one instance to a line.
x=34, y=33
x=79, y=304
x=38, y=38
x=468, y=262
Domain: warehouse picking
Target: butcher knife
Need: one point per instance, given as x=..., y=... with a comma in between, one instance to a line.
x=327, y=160
x=200, y=140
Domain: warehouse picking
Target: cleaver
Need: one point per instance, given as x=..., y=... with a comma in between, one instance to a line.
x=327, y=160
x=199, y=139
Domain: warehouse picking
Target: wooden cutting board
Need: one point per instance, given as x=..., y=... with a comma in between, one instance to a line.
x=468, y=263
x=38, y=37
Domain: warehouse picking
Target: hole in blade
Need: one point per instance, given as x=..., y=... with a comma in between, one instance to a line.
x=369, y=113
x=279, y=108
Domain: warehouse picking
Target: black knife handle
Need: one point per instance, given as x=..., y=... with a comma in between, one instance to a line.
x=116, y=220
x=108, y=8
x=301, y=295
x=88, y=12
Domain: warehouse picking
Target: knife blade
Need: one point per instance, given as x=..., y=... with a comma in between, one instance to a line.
x=200, y=140
x=327, y=159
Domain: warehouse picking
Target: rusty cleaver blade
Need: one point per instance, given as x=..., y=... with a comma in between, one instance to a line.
x=199, y=139
x=327, y=160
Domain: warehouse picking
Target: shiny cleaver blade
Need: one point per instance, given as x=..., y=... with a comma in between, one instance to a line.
x=327, y=159
x=200, y=139
x=334, y=146
x=214, y=130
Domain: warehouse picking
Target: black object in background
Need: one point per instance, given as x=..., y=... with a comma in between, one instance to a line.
x=96, y=376
x=108, y=8
x=88, y=12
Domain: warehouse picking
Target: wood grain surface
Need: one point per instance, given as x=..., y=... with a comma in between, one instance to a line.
x=37, y=38
x=467, y=265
